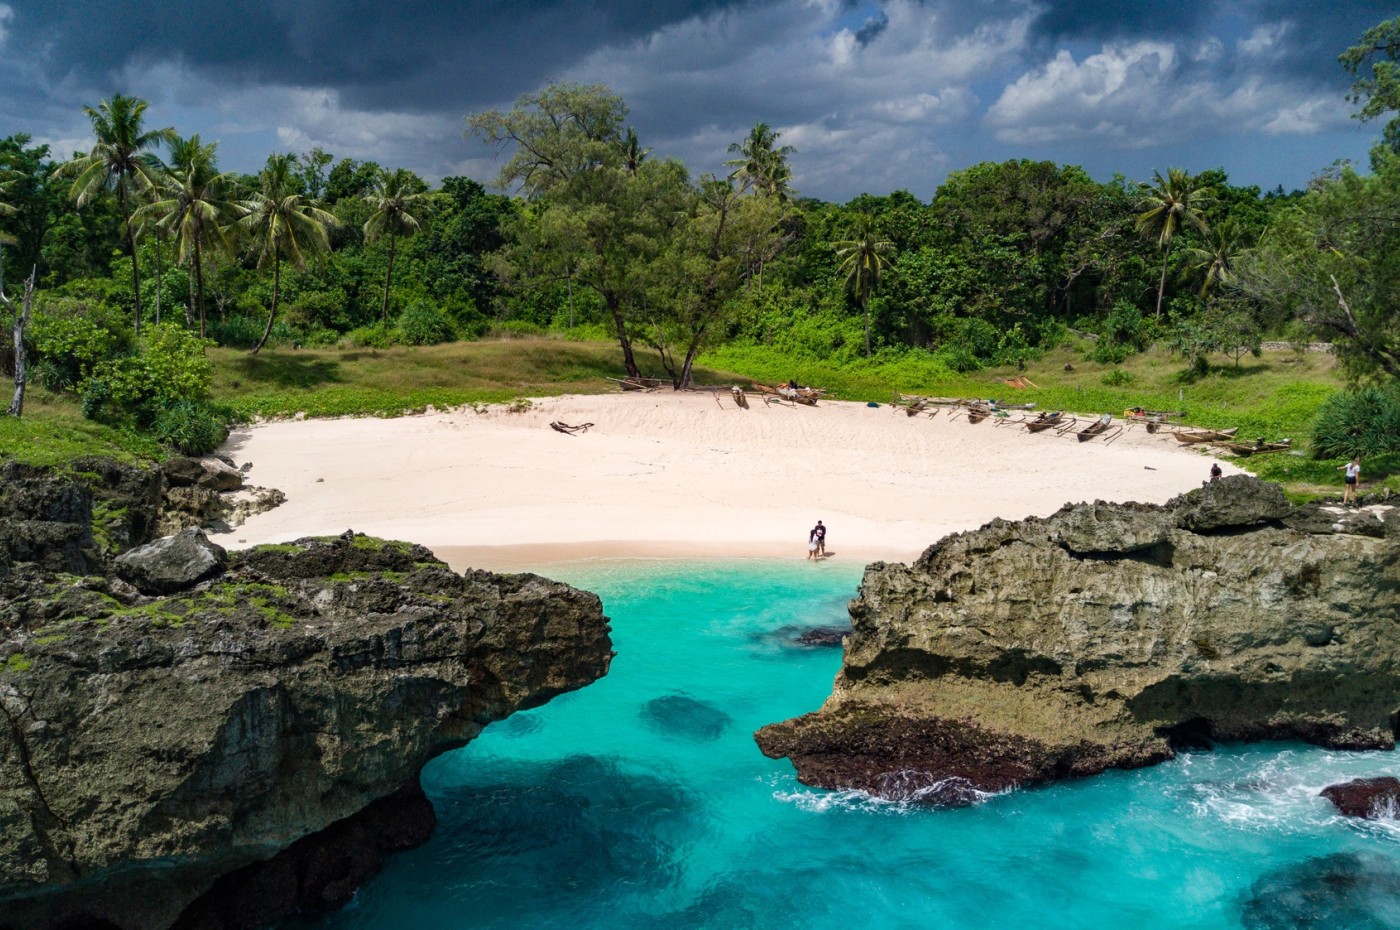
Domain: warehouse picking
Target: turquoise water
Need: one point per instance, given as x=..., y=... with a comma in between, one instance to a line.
x=642, y=801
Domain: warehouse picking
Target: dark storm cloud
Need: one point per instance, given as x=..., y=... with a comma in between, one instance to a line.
x=872, y=28
x=397, y=55
x=1093, y=20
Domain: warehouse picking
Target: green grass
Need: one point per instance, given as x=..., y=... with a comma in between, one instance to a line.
x=53, y=432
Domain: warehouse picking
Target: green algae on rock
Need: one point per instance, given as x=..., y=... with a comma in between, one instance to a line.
x=1108, y=636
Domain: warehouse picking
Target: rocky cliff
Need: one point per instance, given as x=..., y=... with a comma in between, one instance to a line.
x=151, y=744
x=1108, y=636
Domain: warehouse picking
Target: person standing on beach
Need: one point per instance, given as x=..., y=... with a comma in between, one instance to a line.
x=1353, y=475
x=818, y=536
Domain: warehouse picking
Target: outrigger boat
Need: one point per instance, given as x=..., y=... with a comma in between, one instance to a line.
x=1258, y=447
x=1187, y=436
x=1154, y=419
x=799, y=395
x=1097, y=428
x=1045, y=421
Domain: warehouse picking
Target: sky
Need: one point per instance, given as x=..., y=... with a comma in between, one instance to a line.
x=874, y=95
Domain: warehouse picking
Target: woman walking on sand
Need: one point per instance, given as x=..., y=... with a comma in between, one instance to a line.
x=1353, y=474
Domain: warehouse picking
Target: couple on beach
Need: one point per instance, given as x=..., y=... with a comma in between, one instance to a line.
x=816, y=542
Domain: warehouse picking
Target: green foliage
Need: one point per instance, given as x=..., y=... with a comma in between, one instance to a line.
x=1123, y=332
x=1365, y=422
x=374, y=336
x=1118, y=378
x=190, y=426
x=71, y=338
x=423, y=324
x=170, y=366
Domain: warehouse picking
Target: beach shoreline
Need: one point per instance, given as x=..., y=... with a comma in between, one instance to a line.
x=682, y=475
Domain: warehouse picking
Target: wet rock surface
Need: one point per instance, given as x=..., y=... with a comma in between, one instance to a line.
x=150, y=746
x=1107, y=636
x=1365, y=797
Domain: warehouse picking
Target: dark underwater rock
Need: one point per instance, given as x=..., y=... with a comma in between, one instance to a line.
x=1344, y=891
x=684, y=716
x=824, y=636
x=1107, y=636
x=1365, y=797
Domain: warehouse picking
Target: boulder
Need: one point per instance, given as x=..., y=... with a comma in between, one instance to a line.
x=1106, y=636
x=1366, y=797
x=172, y=563
x=212, y=472
x=1235, y=501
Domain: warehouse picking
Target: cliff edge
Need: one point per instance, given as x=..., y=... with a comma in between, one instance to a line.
x=152, y=743
x=1109, y=636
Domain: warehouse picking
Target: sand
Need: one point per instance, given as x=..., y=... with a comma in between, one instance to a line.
x=669, y=475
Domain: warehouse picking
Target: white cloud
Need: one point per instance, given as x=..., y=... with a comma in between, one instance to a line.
x=1139, y=95
x=7, y=14
x=1264, y=40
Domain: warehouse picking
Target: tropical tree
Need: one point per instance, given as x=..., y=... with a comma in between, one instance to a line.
x=282, y=224
x=632, y=152
x=862, y=262
x=763, y=163
x=7, y=177
x=1215, y=258
x=1378, y=92
x=1167, y=205
x=121, y=161
x=191, y=205
x=400, y=202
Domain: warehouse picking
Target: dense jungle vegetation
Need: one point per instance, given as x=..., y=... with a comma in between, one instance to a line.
x=143, y=255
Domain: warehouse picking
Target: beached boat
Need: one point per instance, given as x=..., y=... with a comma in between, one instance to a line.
x=798, y=395
x=1097, y=428
x=1205, y=435
x=1045, y=421
x=1258, y=446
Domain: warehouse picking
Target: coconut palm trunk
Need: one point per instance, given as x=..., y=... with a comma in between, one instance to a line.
x=388, y=276
x=276, y=293
x=135, y=265
x=1162, y=285
x=199, y=285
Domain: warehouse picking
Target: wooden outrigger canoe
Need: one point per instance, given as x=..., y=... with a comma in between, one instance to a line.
x=1045, y=421
x=1097, y=428
x=1258, y=447
x=1205, y=435
x=800, y=395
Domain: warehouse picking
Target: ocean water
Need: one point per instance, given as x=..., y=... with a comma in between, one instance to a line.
x=642, y=802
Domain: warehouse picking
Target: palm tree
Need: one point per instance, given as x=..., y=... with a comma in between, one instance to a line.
x=862, y=263
x=400, y=206
x=1169, y=204
x=121, y=161
x=632, y=152
x=762, y=165
x=283, y=224
x=191, y=205
x=1222, y=246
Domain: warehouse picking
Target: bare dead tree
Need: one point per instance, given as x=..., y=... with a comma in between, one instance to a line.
x=21, y=320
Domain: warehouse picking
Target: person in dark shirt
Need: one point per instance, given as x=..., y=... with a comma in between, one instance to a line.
x=1215, y=471
x=818, y=536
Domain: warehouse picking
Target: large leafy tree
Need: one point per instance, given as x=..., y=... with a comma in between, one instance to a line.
x=122, y=161
x=282, y=225
x=696, y=278
x=592, y=216
x=1168, y=206
x=762, y=163
x=192, y=204
x=400, y=202
x=1330, y=260
x=1377, y=92
x=862, y=262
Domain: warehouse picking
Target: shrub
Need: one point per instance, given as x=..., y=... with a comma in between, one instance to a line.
x=170, y=365
x=239, y=331
x=69, y=349
x=190, y=426
x=374, y=336
x=423, y=324
x=1118, y=378
x=514, y=329
x=1365, y=422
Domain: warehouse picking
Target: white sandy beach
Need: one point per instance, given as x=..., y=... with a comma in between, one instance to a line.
x=671, y=475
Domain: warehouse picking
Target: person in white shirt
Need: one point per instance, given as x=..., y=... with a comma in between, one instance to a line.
x=1353, y=474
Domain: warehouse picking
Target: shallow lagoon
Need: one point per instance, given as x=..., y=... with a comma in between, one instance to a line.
x=642, y=801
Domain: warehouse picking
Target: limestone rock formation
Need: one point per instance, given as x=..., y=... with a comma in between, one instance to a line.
x=1108, y=636
x=150, y=746
x=172, y=563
